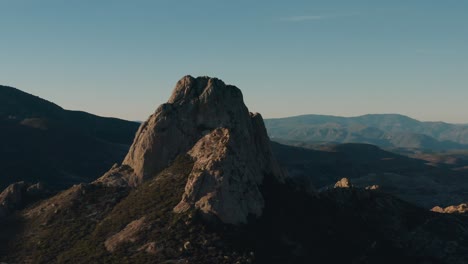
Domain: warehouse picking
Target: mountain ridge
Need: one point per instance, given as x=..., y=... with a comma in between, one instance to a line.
x=384, y=130
x=60, y=147
x=394, y=115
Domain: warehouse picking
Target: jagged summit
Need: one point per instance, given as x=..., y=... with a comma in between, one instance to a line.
x=208, y=120
x=189, y=88
x=197, y=106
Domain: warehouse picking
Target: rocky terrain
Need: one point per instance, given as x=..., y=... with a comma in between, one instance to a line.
x=200, y=184
x=19, y=194
x=460, y=209
x=42, y=142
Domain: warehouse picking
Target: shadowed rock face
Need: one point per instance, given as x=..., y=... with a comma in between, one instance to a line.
x=230, y=147
x=16, y=195
x=11, y=198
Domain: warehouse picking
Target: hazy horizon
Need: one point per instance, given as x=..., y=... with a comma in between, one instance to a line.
x=122, y=59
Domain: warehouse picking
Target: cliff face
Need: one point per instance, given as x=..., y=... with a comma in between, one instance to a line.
x=207, y=119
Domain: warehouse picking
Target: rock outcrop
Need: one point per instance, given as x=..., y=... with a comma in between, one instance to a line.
x=230, y=147
x=130, y=234
x=16, y=195
x=453, y=209
x=343, y=183
x=11, y=198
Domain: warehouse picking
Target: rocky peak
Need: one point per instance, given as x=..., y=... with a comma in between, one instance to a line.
x=204, y=89
x=208, y=120
x=197, y=106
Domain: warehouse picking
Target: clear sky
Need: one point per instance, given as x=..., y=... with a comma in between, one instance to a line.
x=122, y=58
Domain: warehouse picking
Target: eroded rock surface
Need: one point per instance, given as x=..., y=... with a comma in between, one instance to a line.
x=130, y=234
x=16, y=195
x=11, y=198
x=453, y=209
x=207, y=119
x=225, y=178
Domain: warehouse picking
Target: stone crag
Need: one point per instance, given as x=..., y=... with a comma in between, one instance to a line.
x=207, y=119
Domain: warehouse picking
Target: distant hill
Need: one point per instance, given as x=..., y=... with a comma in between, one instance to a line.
x=384, y=130
x=422, y=182
x=40, y=141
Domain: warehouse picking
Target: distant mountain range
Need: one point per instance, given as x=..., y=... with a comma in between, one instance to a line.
x=40, y=141
x=384, y=130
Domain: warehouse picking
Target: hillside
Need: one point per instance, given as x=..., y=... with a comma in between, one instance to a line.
x=422, y=182
x=43, y=142
x=94, y=224
x=386, y=130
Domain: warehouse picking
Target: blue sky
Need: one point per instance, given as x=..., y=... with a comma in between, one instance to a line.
x=122, y=58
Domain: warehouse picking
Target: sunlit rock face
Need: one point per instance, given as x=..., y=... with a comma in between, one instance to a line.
x=230, y=147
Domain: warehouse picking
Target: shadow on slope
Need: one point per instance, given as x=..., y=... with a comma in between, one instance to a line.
x=411, y=179
x=336, y=226
x=43, y=142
